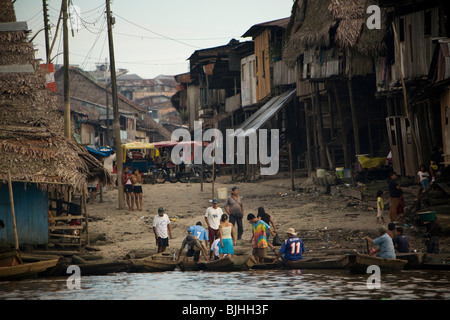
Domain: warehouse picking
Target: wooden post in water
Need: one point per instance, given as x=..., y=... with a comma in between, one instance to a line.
x=13, y=213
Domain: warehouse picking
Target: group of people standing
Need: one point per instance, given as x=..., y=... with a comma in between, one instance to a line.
x=220, y=236
x=132, y=187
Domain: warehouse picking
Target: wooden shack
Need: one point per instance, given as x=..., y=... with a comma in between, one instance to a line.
x=42, y=166
x=410, y=80
x=334, y=55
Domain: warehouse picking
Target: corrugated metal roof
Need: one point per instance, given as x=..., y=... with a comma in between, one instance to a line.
x=265, y=113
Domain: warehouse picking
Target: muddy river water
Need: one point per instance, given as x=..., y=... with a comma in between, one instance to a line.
x=249, y=285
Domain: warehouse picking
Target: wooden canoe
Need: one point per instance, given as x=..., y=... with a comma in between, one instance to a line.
x=152, y=265
x=339, y=262
x=189, y=266
x=25, y=270
x=358, y=263
x=243, y=262
x=415, y=259
x=435, y=262
x=166, y=256
x=235, y=263
x=317, y=263
x=10, y=258
x=102, y=267
x=267, y=266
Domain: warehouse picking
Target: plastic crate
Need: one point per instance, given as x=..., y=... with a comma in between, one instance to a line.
x=427, y=216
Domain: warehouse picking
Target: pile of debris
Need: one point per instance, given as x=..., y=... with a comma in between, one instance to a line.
x=435, y=199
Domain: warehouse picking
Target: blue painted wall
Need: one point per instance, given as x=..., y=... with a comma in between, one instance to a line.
x=31, y=208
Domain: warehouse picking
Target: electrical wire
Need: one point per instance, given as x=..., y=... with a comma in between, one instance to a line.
x=159, y=34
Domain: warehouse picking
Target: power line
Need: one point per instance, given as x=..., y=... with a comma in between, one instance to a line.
x=159, y=34
x=130, y=62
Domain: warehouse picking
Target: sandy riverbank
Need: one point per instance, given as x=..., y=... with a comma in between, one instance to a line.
x=326, y=222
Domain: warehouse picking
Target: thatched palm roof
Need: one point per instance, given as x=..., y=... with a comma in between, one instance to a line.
x=325, y=23
x=32, y=143
x=310, y=26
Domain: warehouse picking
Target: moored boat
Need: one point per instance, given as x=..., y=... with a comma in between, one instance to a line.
x=435, y=262
x=10, y=258
x=152, y=265
x=25, y=270
x=358, y=263
x=235, y=263
x=267, y=266
x=317, y=263
x=103, y=267
x=415, y=259
x=189, y=266
x=243, y=262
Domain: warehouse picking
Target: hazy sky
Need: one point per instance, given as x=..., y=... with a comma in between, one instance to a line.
x=151, y=37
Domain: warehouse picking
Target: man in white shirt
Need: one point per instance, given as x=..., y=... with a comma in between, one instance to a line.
x=161, y=228
x=212, y=218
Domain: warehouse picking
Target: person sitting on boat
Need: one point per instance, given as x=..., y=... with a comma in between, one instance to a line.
x=195, y=246
x=401, y=241
x=292, y=248
x=385, y=244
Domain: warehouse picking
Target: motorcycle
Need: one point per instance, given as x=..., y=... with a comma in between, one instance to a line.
x=194, y=171
x=166, y=173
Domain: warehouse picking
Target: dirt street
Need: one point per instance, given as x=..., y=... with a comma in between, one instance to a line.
x=327, y=223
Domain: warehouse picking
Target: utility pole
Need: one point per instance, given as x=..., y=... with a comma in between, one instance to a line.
x=116, y=124
x=107, y=84
x=47, y=40
x=67, y=125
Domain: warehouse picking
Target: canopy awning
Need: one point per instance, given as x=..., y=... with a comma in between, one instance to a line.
x=146, y=147
x=138, y=145
x=265, y=113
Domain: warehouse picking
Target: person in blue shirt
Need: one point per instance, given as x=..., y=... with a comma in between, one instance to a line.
x=200, y=232
x=292, y=248
x=384, y=243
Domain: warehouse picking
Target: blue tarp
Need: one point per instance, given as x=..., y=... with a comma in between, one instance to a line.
x=105, y=152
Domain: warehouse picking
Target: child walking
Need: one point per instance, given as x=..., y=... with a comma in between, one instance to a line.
x=380, y=206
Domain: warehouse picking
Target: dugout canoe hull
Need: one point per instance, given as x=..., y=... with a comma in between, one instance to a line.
x=317, y=263
x=358, y=263
x=152, y=265
x=189, y=266
x=103, y=268
x=25, y=270
x=415, y=259
x=235, y=263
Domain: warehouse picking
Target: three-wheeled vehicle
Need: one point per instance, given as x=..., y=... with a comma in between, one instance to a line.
x=141, y=156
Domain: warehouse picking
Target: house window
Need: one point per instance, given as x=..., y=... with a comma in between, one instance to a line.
x=401, y=25
x=427, y=23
